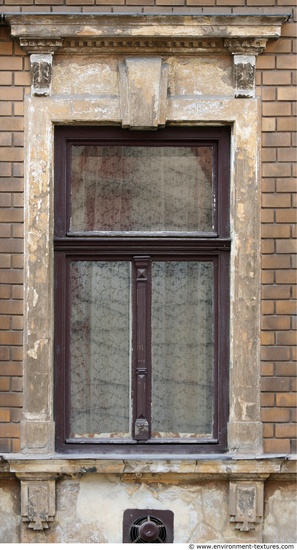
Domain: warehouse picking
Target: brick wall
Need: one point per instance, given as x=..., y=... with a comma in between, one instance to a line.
x=276, y=80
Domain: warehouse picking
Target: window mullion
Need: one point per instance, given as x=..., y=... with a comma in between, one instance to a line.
x=142, y=349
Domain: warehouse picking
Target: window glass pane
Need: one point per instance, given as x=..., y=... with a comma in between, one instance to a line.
x=144, y=189
x=182, y=348
x=100, y=348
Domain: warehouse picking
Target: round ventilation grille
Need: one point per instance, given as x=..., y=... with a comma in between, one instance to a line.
x=148, y=529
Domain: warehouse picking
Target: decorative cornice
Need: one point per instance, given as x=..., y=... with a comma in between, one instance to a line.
x=152, y=45
x=154, y=34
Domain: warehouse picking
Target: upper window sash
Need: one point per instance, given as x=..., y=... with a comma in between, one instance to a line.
x=122, y=183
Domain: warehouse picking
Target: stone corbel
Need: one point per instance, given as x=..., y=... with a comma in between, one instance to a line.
x=246, y=504
x=38, y=500
x=143, y=92
x=41, y=59
x=244, y=63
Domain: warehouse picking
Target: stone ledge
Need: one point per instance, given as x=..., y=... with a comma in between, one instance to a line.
x=204, y=467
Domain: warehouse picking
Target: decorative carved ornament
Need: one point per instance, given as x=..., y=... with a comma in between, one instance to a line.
x=246, y=504
x=38, y=500
x=143, y=92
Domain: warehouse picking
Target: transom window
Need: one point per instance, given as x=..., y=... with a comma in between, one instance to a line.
x=141, y=289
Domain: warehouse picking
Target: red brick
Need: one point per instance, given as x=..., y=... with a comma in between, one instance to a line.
x=4, y=415
x=276, y=200
x=5, y=291
x=275, y=353
x=268, y=155
x=267, y=215
x=11, y=215
x=272, y=231
x=10, y=63
x=11, y=338
x=269, y=124
x=282, y=45
x=11, y=399
x=16, y=415
x=286, y=62
x=17, y=384
x=267, y=399
x=4, y=323
x=277, y=446
x=286, y=94
x=267, y=246
x=286, y=246
x=5, y=261
x=286, y=154
x=274, y=292
x=286, y=369
x=267, y=369
x=268, y=430
x=286, y=338
x=271, y=108
x=4, y=356
x=267, y=338
x=274, y=261
x=272, y=78
x=17, y=323
x=12, y=276
x=286, y=399
x=11, y=368
x=274, y=414
x=285, y=277
x=275, y=384
x=267, y=307
x=277, y=139
x=5, y=445
x=286, y=215
x=286, y=124
x=11, y=307
x=4, y=383
x=9, y=430
x=286, y=307
x=286, y=430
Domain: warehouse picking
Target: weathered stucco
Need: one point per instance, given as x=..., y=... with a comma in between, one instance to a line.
x=10, y=523
x=90, y=506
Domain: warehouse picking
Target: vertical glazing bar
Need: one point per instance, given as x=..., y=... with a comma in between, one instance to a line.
x=142, y=353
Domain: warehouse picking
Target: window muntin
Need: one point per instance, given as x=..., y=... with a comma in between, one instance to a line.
x=146, y=424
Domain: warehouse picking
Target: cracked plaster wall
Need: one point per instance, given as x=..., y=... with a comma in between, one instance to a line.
x=90, y=510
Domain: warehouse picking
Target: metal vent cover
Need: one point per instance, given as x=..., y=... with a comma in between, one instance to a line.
x=148, y=526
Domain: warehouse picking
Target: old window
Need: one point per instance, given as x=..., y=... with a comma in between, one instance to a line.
x=141, y=289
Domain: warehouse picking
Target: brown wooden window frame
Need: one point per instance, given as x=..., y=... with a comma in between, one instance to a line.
x=141, y=250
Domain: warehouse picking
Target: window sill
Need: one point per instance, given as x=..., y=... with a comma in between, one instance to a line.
x=223, y=466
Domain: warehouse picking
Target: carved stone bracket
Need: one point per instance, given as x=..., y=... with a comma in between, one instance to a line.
x=38, y=501
x=143, y=92
x=244, y=74
x=41, y=73
x=246, y=504
x=244, y=53
x=41, y=52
